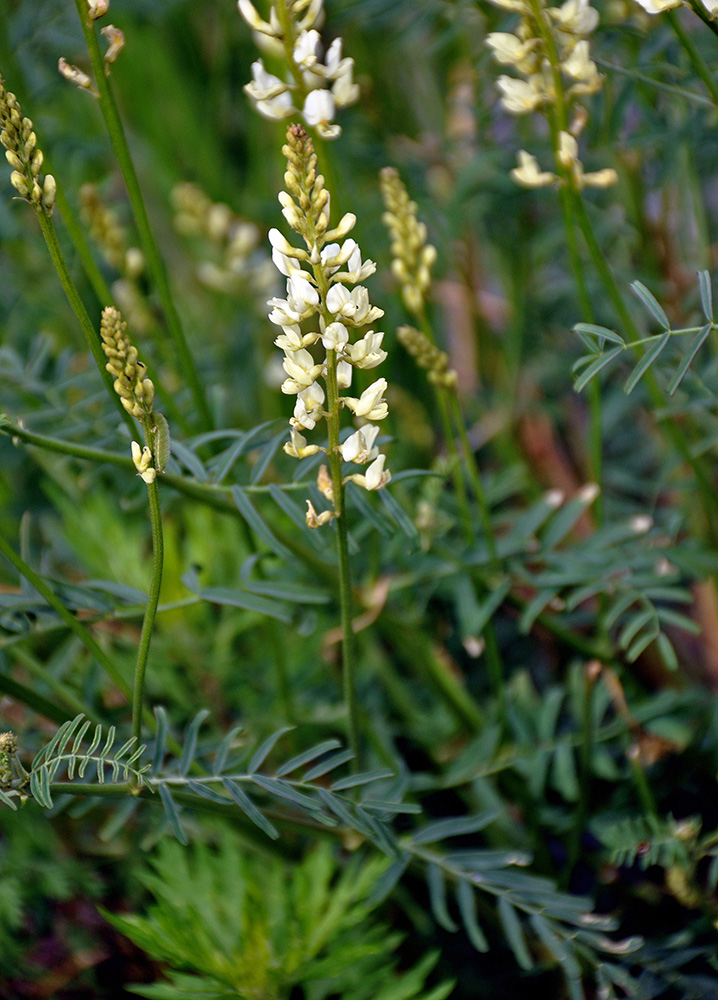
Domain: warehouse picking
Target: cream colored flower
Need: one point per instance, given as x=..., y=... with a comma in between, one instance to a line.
x=528, y=174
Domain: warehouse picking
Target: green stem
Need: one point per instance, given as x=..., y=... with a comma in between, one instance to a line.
x=153, y=597
x=110, y=113
x=77, y=236
x=697, y=61
x=700, y=11
x=72, y=623
x=345, y=595
x=92, y=336
x=457, y=472
x=475, y=479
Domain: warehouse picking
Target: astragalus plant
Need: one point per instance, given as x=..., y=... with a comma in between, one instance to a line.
x=442, y=731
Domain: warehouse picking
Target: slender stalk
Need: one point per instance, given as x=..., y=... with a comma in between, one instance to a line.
x=697, y=61
x=69, y=619
x=457, y=473
x=700, y=11
x=113, y=122
x=153, y=597
x=92, y=336
x=76, y=234
x=342, y=535
x=475, y=480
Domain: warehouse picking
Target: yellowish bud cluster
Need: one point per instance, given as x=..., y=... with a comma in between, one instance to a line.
x=10, y=766
x=23, y=155
x=136, y=392
x=428, y=356
x=413, y=257
x=237, y=262
x=105, y=227
x=307, y=213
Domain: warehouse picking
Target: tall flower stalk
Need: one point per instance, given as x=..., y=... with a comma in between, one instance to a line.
x=137, y=393
x=319, y=319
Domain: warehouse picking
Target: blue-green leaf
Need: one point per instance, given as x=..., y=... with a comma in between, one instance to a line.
x=651, y=303
x=645, y=363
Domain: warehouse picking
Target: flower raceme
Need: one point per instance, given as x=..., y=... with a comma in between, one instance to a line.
x=659, y=6
x=316, y=85
x=324, y=307
x=549, y=50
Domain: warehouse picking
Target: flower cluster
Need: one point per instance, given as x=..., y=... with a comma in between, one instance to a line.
x=428, y=356
x=550, y=52
x=412, y=256
x=136, y=392
x=316, y=85
x=528, y=51
x=23, y=155
x=318, y=282
x=658, y=6
x=234, y=243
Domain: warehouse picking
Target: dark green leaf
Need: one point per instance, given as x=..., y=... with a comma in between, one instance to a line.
x=255, y=522
x=224, y=748
x=171, y=811
x=602, y=332
x=646, y=361
x=336, y=760
x=514, y=933
x=248, y=807
x=595, y=367
x=190, y=742
x=264, y=750
x=437, y=897
x=706, y=290
x=458, y=826
x=361, y=779
x=303, y=758
x=651, y=303
x=687, y=359
x=467, y=907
